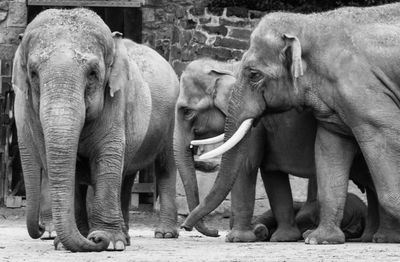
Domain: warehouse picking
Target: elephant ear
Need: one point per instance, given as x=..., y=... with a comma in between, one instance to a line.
x=19, y=77
x=224, y=81
x=120, y=73
x=293, y=52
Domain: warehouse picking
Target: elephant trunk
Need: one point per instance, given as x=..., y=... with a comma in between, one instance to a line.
x=62, y=115
x=185, y=163
x=32, y=179
x=232, y=163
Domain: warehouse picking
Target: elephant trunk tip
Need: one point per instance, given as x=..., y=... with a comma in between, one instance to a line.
x=36, y=231
x=210, y=232
x=186, y=227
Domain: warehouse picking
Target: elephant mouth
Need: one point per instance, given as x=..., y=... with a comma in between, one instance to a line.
x=230, y=143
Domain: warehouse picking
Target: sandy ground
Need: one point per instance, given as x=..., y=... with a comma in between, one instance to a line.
x=16, y=245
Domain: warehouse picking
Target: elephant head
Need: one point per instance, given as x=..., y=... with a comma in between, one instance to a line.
x=205, y=88
x=67, y=65
x=267, y=81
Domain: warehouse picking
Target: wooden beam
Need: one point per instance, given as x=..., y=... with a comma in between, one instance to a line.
x=104, y=3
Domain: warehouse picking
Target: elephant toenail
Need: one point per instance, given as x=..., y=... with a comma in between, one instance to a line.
x=168, y=235
x=158, y=235
x=313, y=241
x=119, y=245
x=110, y=246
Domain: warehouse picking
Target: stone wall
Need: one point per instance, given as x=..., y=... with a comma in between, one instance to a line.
x=184, y=30
x=221, y=33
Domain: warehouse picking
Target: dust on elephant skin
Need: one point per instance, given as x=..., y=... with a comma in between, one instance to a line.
x=86, y=113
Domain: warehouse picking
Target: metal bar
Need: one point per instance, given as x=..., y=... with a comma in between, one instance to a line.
x=104, y=3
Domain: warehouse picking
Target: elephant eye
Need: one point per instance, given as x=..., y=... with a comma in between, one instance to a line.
x=33, y=74
x=188, y=113
x=92, y=75
x=34, y=79
x=254, y=75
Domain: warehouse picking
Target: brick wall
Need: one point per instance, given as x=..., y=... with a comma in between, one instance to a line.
x=221, y=33
x=184, y=30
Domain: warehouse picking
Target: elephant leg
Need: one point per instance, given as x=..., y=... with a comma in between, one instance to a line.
x=389, y=228
x=308, y=218
x=106, y=216
x=242, y=206
x=280, y=198
x=166, y=187
x=372, y=221
x=46, y=216
x=126, y=193
x=334, y=155
x=377, y=136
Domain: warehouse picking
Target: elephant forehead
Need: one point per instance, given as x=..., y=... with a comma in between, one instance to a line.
x=80, y=30
x=43, y=50
x=79, y=19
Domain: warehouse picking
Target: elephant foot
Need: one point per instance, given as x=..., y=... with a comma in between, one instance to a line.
x=164, y=231
x=324, y=235
x=57, y=244
x=386, y=236
x=286, y=234
x=49, y=233
x=117, y=239
x=366, y=236
x=236, y=235
x=261, y=232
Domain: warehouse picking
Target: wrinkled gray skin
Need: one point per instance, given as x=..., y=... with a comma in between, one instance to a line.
x=92, y=108
x=353, y=223
x=284, y=144
x=205, y=89
x=347, y=75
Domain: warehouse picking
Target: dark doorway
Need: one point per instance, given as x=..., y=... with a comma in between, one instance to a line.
x=127, y=20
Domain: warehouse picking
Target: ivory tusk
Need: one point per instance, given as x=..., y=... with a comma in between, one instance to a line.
x=207, y=141
x=237, y=136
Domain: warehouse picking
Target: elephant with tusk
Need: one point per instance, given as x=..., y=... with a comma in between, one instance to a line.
x=284, y=144
x=341, y=66
x=92, y=107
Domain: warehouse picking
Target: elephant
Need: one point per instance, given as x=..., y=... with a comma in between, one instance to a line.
x=353, y=223
x=202, y=106
x=344, y=73
x=92, y=108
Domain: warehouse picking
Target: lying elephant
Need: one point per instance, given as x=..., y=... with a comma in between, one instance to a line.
x=82, y=92
x=353, y=223
x=346, y=73
x=205, y=88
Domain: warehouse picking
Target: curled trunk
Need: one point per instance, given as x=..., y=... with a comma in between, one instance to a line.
x=62, y=114
x=232, y=163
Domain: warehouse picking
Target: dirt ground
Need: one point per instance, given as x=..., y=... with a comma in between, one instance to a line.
x=16, y=245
